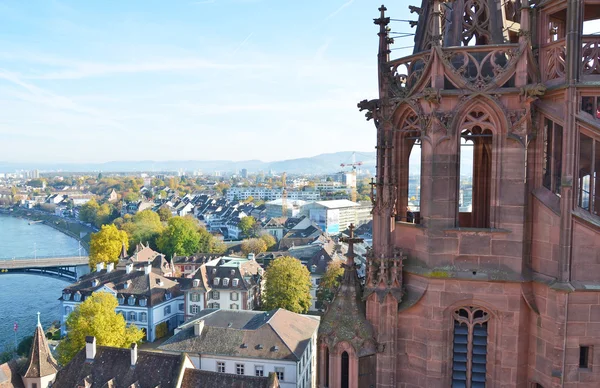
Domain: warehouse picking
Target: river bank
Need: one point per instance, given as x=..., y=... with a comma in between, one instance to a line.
x=71, y=228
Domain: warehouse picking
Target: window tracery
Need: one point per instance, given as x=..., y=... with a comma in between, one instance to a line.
x=476, y=23
x=469, y=356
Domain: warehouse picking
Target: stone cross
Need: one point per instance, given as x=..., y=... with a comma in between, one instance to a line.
x=351, y=240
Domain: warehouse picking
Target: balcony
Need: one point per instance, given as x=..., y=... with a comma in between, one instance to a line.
x=590, y=57
x=553, y=61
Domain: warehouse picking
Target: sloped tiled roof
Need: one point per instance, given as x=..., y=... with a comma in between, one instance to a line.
x=277, y=334
x=9, y=376
x=113, y=366
x=40, y=362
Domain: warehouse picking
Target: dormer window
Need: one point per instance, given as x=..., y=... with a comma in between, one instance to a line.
x=232, y=272
x=313, y=268
x=214, y=270
x=216, y=281
x=131, y=300
x=196, y=282
x=95, y=283
x=121, y=299
x=66, y=296
x=226, y=282
x=168, y=296
x=235, y=282
x=143, y=302
x=77, y=297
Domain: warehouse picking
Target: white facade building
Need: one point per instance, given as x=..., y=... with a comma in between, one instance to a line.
x=252, y=343
x=268, y=194
x=150, y=301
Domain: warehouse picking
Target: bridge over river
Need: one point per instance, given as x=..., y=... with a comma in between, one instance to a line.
x=67, y=267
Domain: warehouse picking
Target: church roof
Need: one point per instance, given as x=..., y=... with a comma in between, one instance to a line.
x=40, y=362
x=9, y=376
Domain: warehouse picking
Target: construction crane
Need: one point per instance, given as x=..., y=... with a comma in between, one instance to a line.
x=354, y=165
x=283, y=195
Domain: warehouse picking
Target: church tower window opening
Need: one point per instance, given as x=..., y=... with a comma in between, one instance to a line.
x=552, y=164
x=588, y=179
x=476, y=23
x=409, y=179
x=475, y=173
x=469, y=356
x=345, y=378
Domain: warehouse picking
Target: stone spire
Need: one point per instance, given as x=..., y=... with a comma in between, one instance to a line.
x=345, y=319
x=40, y=362
x=123, y=251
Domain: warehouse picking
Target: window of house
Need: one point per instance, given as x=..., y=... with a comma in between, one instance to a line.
x=167, y=310
x=215, y=295
x=234, y=306
x=195, y=297
x=196, y=282
x=131, y=300
x=77, y=297
x=280, y=373
x=235, y=296
x=132, y=316
x=235, y=282
x=143, y=302
x=168, y=296
x=259, y=371
x=34, y=385
x=216, y=281
x=121, y=299
x=552, y=164
x=66, y=296
x=194, y=309
x=214, y=305
x=67, y=310
x=226, y=282
x=239, y=369
x=585, y=355
x=469, y=355
x=181, y=307
x=475, y=174
x=588, y=179
x=220, y=367
x=143, y=317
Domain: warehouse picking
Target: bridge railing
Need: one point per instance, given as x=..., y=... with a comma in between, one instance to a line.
x=43, y=262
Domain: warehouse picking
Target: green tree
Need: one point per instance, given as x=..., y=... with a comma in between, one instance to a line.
x=144, y=227
x=330, y=282
x=268, y=239
x=208, y=242
x=87, y=212
x=247, y=225
x=97, y=317
x=106, y=245
x=104, y=215
x=164, y=213
x=180, y=237
x=287, y=285
x=253, y=245
x=131, y=196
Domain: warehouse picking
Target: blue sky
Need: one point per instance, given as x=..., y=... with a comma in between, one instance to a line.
x=102, y=80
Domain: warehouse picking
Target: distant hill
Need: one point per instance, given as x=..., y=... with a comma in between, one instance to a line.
x=320, y=164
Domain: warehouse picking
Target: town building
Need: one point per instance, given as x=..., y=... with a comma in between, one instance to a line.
x=186, y=266
x=503, y=293
x=251, y=343
x=336, y=215
x=197, y=378
x=268, y=194
x=274, y=208
x=105, y=366
x=225, y=282
x=37, y=371
x=146, y=298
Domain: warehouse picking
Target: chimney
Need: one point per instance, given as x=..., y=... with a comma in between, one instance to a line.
x=128, y=268
x=198, y=326
x=250, y=256
x=99, y=267
x=90, y=348
x=133, y=354
x=110, y=267
x=148, y=268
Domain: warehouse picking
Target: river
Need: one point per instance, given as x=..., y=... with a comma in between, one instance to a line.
x=21, y=296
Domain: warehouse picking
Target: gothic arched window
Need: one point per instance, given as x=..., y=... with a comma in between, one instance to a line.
x=409, y=175
x=345, y=370
x=476, y=23
x=475, y=171
x=469, y=355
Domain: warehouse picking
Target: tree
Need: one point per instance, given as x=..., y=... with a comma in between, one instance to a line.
x=268, y=239
x=145, y=227
x=287, y=285
x=164, y=213
x=88, y=211
x=97, y=317
x=330, y=282
x=181, y=237
x=106, y=245
x=246, y=225
x=253, y=245
x=104, y=215
x=209, y=244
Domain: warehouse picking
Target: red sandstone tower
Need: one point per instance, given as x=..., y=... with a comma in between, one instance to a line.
x=494, y=279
